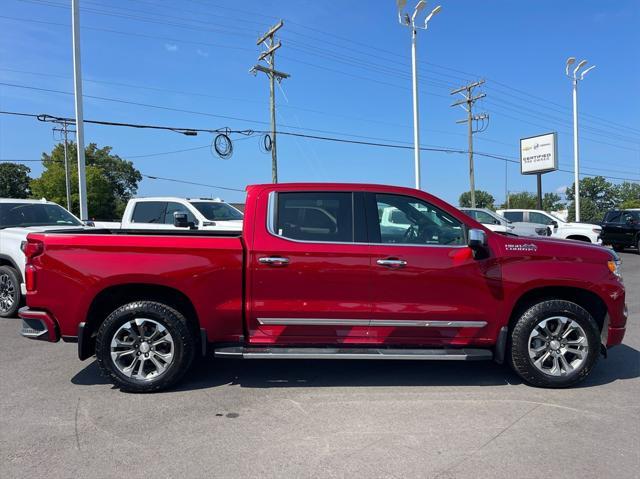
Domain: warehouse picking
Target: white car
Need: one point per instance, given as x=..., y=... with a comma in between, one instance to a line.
x=500, y=224
x=157, y=213
x=18, y=218
x=559, y=228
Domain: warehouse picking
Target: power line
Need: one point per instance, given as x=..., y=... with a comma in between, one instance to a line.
x=380, y=144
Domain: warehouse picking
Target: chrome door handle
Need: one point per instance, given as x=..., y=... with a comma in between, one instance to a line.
x=274, y=260
x=393, y=263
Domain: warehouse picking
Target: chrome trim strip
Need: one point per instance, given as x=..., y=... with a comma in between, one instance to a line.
x=313, y=322
x=408, y=323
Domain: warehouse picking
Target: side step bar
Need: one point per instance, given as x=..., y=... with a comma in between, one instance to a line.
x=353, y=353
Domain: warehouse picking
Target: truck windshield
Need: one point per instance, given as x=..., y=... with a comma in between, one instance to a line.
x=214, y=211
x=35, y=214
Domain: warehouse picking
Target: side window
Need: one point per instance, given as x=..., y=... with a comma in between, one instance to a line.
x=315, y=216
x=513, y=215
x=423, y=224
x=149, y=212
x=172, y=208
x=485, y=218
x=535, y=217
x=613, y=217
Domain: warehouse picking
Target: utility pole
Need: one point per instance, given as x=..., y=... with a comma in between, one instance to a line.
x=67, y=175
x=269, y=56
x=77, y=87
x=410, y=21
x=467, y=103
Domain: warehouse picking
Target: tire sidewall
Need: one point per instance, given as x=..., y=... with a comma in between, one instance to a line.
x=520, y=359
x=17, y=296
x=171, y=319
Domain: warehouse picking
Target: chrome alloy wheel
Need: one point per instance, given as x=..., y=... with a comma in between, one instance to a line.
x=142, y=349
x=558, y=346
x=7, y=293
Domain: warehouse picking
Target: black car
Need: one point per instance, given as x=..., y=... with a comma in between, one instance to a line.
x=621, y=229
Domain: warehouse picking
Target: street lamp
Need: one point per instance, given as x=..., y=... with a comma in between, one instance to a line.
x=574, y=80
x=410, y=21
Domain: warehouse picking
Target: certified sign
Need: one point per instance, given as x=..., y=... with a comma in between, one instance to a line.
x=539, y=154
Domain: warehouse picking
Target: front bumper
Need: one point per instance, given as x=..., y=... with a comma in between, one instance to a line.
x=38, y=325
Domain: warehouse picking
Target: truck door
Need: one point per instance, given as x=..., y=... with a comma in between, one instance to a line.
x=427, y=287
x=309, y=269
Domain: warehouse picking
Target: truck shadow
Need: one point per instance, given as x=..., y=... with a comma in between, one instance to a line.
x=623, y=363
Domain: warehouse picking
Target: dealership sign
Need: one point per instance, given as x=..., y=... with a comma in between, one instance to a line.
x=539, y=154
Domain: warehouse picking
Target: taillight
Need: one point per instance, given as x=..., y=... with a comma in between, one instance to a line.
x=32, y=248
x=30, y=277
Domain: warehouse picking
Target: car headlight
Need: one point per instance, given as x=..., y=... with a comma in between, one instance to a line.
x=614, y=265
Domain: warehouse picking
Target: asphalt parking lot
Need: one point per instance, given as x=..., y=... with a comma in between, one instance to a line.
x=60, y=418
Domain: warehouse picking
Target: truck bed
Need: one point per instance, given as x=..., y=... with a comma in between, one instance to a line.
x=79, y=268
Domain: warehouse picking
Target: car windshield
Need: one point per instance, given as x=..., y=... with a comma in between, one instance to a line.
x=215, y=211
x=35, y=214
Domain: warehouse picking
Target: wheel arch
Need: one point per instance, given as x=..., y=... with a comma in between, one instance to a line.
x=8, y=261
x=112, y=297
x=584, y=298
x=579, y=238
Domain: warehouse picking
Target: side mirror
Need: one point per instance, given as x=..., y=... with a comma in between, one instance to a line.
x=89, y=223
x=554, y=224
x=478, y=243
x=180, y=220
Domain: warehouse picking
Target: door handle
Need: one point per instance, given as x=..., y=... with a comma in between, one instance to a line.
x=274, y=260
x=392, y=262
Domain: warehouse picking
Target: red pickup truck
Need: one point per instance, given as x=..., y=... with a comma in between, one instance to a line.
x=317, y=273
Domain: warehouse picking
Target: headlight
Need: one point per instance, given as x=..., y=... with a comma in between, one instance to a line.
x=614, y=266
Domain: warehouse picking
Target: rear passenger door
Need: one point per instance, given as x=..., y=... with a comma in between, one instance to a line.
x=309, y=269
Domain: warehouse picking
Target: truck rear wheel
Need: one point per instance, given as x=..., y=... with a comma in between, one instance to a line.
x=145, y=346
x=10, y=296
x=554, y=344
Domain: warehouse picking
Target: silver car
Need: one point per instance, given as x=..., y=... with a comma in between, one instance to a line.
x=500, y=224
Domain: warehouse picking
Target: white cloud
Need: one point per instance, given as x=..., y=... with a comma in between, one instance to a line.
x=202, y=53
x=171, y=47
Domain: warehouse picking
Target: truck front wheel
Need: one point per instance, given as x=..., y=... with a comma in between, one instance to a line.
x=554, y=344
x=144, y=346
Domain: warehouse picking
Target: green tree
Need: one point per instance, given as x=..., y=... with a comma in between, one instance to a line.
x=628, y=195
x=14, y=180
x=552, y=202
x=111, y=181
x=589, y=212
x=524, y=200
x=599, y=194
x=484, y=199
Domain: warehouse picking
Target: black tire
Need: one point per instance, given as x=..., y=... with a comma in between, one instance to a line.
x=10, y=294
x=182, y=346
x=638, y=244
x=523, y=364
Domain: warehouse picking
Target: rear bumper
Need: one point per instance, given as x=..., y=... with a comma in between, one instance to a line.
x=38, y=325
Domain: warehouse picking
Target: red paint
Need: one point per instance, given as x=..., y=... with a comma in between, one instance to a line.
x=229, y=289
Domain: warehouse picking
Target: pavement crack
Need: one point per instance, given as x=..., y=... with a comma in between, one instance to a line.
x=489, y=441
x=76, y=425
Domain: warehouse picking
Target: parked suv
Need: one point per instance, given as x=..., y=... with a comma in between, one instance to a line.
x=500, y=224
x=18, y=218
x=559, y=229
x=621, y=229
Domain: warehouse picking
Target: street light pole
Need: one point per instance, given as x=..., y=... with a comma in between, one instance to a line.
x=77, y=84
x=576, y=156
x=410, y=21
x=416, y=116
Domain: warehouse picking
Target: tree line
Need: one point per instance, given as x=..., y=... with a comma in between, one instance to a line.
x=597, y=196
x=111, y=181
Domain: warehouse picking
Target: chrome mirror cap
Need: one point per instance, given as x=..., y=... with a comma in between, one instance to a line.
x=477, y=238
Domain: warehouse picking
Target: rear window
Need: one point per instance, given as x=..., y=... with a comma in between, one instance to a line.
x=315, y=216
x=513, y=215
x=35, y=214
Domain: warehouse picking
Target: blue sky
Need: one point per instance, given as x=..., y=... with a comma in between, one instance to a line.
x=350, y=77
